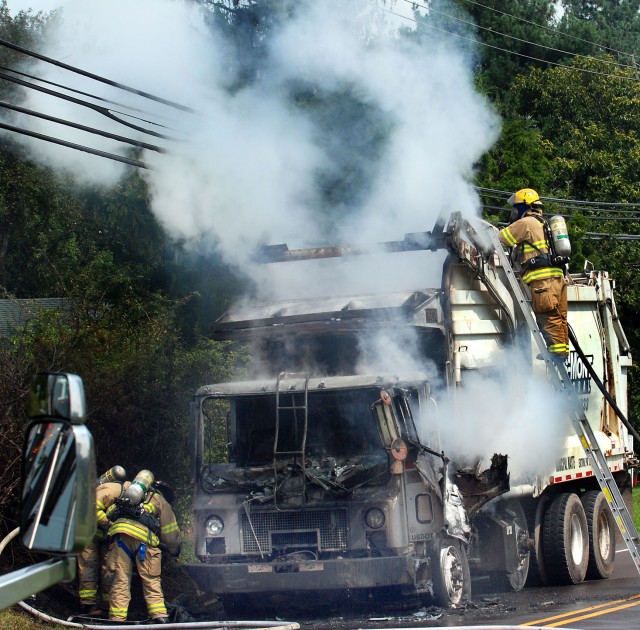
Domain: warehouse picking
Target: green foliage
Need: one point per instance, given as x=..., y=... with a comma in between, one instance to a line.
x=614, y=25
x=37, y=218
x=515, y=34
x=24, y=29
x=137, y=304
x=591, y=123
x=521, y=158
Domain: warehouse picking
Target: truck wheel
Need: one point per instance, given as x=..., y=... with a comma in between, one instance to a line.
x=602, y=535
x=513, y=512
x=535, y=510
x=565, y=540
x=451, y=579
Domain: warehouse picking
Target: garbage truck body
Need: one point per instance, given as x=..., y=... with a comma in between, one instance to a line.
x=328, y=483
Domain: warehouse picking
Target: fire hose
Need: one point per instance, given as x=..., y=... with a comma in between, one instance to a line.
x=182, y=625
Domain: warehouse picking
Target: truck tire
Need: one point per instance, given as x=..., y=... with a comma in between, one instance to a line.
x=512, y=511
x=565, y=540
x=451, y=579
x=602, y=535
x=535, y=510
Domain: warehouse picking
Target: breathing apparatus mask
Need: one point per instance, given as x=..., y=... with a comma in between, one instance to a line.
x=518, y=211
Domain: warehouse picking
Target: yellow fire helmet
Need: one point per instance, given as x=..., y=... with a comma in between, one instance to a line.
x=527, y=196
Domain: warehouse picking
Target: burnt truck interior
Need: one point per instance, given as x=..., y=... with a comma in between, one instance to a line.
x=332, y=336
x=336, y=353
x=298, y=446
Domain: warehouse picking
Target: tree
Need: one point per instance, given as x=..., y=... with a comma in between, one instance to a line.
x=612, y=26
x=514, y=37
x=25, y=29
x=588, y=115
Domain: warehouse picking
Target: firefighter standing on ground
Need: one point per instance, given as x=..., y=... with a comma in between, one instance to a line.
x=142, y=520
x=547, y=282
x=93, y=578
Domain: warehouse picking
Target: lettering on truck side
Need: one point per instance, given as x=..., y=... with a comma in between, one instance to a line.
x=580, y=377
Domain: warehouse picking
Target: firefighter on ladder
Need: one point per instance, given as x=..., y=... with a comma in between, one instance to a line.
x=547, y=283
x=93, y=578
x=142, y=520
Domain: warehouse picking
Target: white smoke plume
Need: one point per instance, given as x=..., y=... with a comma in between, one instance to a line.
x=510, y=410
x=244, y=170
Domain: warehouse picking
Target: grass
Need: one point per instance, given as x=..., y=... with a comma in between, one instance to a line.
x=11, y=619
x=636, y=507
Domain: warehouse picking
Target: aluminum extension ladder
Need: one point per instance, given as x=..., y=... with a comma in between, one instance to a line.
x=298, y=426
x=583, y=429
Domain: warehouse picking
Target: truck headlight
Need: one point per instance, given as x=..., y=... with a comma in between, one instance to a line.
x=214, y=525
x=374, y=518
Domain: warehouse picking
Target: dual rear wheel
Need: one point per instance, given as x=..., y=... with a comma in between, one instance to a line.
x=576, y=539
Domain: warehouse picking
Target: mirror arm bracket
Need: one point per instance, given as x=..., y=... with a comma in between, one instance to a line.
x=20, y=584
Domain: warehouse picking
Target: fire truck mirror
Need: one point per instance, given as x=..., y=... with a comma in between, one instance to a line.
x=58, y=513
x=57, y=395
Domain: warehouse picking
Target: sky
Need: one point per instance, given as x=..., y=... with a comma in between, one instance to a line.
x=34, y=5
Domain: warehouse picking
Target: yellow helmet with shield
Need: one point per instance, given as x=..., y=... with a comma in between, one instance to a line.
x=523, y=200
x=525, y=195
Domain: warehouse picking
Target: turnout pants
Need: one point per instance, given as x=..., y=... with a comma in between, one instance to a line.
x=549, y=302
x=123, y=552
x=93, y=578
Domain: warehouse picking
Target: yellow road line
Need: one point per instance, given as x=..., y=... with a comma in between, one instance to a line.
x=597, y=614
x=572, y=614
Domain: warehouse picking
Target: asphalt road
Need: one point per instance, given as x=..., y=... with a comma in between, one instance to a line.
x=596, y=604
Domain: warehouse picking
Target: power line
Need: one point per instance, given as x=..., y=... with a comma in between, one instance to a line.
x=636, y=216
x=599, y=236
x=511, y=52
x=72, y=145
x=68, y=123
x=565, y=201
x=519, y=39
x=549, y=28
x=69, y=89
x=90, y=75
x=594, y=236
x=97, y=108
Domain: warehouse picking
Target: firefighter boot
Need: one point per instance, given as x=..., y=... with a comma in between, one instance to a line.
x=90, y=610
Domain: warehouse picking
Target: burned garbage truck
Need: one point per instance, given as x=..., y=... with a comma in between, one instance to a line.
x=328, y=484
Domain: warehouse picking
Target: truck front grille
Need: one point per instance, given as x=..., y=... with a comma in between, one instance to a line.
x=325, y=530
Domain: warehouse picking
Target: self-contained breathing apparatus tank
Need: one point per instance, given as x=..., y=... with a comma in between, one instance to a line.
x=132, y=503
x=138, y=488
x=116, y=474
x=560, y=236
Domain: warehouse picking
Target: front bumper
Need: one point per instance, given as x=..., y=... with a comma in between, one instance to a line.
x=356, y=573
